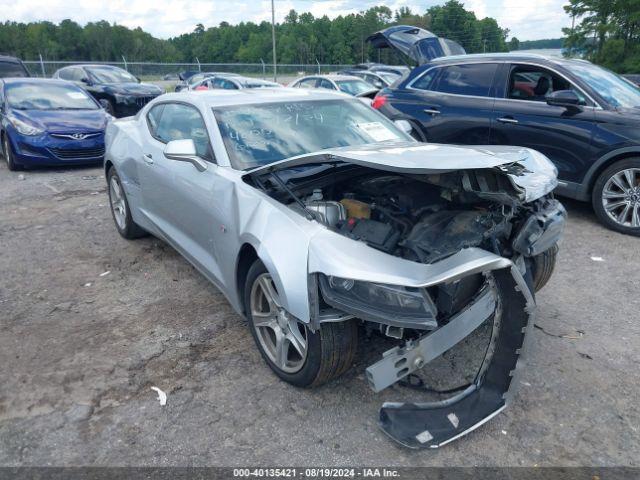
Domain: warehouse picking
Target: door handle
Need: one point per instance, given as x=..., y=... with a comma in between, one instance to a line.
x=431, y=111
x=507, y=120
x=148, y=158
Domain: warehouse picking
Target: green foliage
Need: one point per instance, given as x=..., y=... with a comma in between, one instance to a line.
x=544, y=43
x=301, y=38
x=606, y=32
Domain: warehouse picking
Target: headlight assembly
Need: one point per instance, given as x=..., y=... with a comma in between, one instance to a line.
x=386, y=304
x=23, y=127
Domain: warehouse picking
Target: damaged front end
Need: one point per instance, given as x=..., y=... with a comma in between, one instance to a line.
x=427, y=255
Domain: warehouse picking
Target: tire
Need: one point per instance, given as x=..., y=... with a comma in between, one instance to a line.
x=417, y=133
x=543, y=266
x=108, y=106
x=7, y=152
x=120, y=208
x=329, y=351
x=616, y=196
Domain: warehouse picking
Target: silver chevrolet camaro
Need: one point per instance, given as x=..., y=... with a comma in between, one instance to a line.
x=315, y=215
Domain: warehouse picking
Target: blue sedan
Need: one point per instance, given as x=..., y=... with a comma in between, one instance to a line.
x=47, y=122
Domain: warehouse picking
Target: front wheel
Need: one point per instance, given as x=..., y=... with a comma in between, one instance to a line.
x=543, y=266
x=616, y=196
x=295, y=353
x=9, y=157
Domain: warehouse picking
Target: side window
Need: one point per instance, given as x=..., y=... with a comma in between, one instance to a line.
x=222, y=83
x=528, y=82
x=178, y=122
x=472, y=79
x=153, y=118
x=64, y=74
x=426, y=81
x=77, y=74
x=308, y=83
x=324, y=83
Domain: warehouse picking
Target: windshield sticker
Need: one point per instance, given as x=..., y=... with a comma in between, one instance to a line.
x=377, y=131
x=76, y=95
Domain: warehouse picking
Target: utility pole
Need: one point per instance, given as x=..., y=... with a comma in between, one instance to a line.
x=484, y=45
x=273, y=39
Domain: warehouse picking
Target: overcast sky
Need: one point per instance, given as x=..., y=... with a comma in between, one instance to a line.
x=526, y=19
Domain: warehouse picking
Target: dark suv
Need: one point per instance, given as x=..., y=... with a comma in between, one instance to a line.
x=584, y=118
x=12, y=67
x=120, y=93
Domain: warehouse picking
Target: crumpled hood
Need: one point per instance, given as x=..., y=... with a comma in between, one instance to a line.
x=538, y=178
x=133, y=88
x=64, y=121
x=419, y=44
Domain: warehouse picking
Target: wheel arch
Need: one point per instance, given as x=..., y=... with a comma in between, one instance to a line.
x=246, y=257
x=602, y=164
x=108, y=165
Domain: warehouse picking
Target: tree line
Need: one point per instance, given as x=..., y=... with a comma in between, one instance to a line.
x=301, y=38
x=606, y=32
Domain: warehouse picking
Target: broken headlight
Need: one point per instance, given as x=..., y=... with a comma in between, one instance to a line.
x=376, y=302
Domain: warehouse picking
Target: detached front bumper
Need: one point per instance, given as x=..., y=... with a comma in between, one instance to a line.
x=432, y=425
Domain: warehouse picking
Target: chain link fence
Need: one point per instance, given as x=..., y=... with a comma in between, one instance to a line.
x=168, y=71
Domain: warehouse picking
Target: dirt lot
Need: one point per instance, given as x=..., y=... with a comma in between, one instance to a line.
x=80, y=349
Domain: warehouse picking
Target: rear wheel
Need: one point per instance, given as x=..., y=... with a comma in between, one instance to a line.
x=7, y=152
x=120, y=208
x=616, y=196
x=295, y=353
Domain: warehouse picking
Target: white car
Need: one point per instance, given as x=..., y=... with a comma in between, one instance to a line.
x=232, y=82
x=349, y=84
x=315, y=215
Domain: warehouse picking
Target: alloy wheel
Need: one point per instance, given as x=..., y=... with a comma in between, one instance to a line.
x=118, y=206
x=282, y=337
x=621, y=197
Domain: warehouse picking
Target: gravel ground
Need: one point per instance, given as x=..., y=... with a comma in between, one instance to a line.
x=80, y=349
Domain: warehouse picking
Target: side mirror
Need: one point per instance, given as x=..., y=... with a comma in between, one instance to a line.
x=85, y=80
x=563, y=98
x=404, y=125
x=184, y=151
x=378, y=84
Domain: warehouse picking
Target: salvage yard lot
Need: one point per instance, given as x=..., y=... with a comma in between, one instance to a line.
x=80, y=349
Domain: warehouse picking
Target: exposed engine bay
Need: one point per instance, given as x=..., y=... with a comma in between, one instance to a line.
x=423, y=218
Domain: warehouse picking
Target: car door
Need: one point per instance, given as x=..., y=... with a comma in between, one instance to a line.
x=452, y=103
x=177, y=197
x=523, y=118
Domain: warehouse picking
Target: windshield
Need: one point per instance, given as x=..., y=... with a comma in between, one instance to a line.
x=111, y=75
x=353, y=87
x=48, y=96
x=261, y=134
x=11, y=69
x=613, y=88
x=389, y=76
